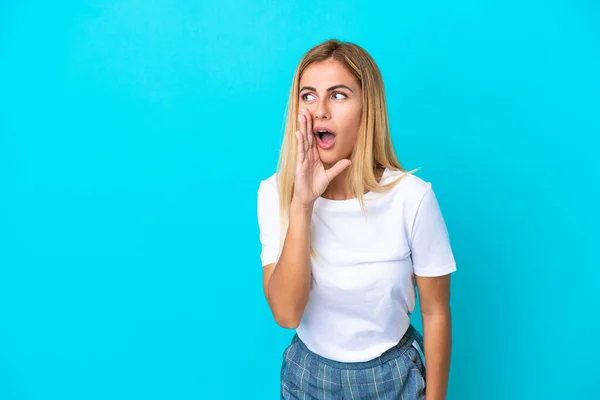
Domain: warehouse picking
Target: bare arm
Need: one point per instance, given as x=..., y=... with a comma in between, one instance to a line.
x=287, y=283
x=434, y=294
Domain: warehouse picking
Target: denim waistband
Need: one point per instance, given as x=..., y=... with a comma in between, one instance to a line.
x=400, y=348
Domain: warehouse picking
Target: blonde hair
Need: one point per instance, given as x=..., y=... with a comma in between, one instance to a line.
x=374, y=146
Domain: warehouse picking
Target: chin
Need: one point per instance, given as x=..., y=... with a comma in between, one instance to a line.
x=330, y=160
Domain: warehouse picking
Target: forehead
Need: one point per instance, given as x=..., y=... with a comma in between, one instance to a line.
x=324, y=74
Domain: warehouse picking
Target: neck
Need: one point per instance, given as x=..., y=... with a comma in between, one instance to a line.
x=338, y=188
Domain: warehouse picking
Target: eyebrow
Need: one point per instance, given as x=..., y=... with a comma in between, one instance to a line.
x=340, y=86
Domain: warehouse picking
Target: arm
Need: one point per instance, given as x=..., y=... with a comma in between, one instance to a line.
x=433, y=262
x=287, y=282
x=434, y=295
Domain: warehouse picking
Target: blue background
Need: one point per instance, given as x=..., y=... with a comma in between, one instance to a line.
x=134, y=134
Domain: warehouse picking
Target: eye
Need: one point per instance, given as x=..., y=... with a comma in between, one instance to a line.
x=308, y=97
x=339, y=96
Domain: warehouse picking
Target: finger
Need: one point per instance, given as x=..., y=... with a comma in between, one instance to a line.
x=337, y=168
x=309, y=130
x=302, y=127
x=306, y=116
x=299, y=146
x=312, y=147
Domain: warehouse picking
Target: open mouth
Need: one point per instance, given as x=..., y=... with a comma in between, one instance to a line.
x=326, y=137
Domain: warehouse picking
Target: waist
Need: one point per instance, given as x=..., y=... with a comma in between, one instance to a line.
x=380, y=353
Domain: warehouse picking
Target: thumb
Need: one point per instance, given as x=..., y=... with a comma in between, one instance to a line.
x=338, y=168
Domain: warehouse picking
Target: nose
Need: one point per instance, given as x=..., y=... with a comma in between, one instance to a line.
x=322, y=111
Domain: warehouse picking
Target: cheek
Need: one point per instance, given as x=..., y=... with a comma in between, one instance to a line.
x=352, y=122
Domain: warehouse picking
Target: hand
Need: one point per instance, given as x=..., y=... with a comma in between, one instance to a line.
x=311, y=177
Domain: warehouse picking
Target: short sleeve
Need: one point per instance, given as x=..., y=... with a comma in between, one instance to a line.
x=268, y=222
x=431, y=251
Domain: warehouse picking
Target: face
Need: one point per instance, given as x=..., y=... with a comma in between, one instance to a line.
x=334, y=98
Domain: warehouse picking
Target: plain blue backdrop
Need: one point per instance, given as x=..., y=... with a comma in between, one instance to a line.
x=134, y=134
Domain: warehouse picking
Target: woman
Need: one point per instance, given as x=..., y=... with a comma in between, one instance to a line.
x=346, y=235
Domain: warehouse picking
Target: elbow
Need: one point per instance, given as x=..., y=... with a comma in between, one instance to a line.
x=288, y=323
x=287, y=319
x=289, y=315
x=441, y=312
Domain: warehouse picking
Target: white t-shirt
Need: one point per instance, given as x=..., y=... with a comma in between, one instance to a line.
x=363, y=286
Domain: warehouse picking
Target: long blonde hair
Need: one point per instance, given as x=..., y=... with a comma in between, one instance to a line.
x=374, y=146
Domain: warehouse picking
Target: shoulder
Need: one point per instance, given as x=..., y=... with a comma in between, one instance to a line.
x=268, y=201
x=410, y=187
x=268, y=187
